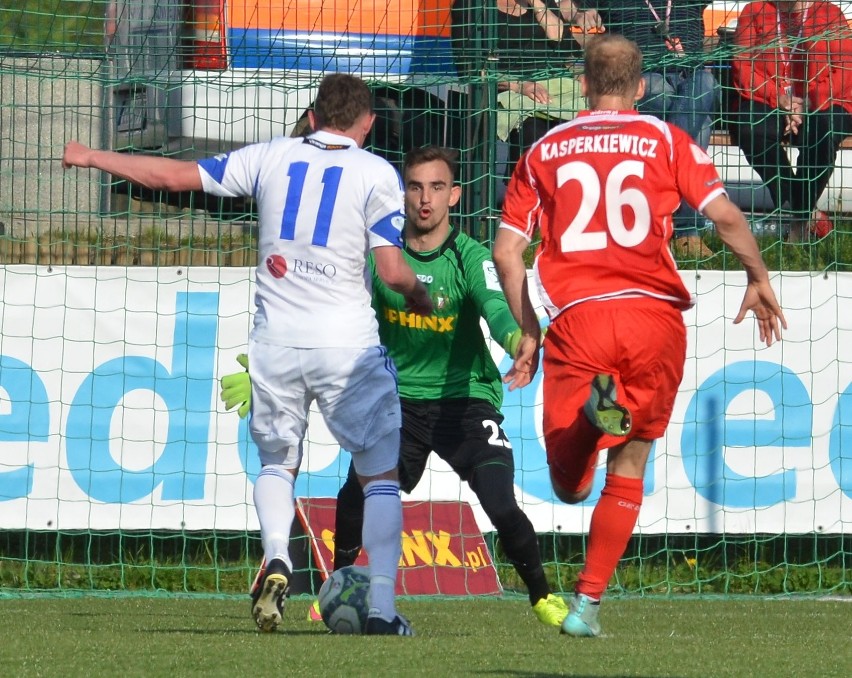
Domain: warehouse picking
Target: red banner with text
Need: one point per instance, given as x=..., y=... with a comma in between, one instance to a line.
x=443, y=550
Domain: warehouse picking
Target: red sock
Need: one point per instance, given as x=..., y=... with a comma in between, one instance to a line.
x=612, y=525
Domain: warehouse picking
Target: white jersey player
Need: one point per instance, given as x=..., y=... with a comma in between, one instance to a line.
x=315, y=195
x=323, y=204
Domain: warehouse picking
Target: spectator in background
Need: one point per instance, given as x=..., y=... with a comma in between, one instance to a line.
x=531, y=41
x=678, y=87
x=791, y=72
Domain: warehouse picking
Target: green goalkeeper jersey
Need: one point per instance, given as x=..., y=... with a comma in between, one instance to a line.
x=445, y=355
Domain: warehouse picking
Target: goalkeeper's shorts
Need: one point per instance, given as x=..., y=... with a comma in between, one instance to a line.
x=355, y=390
x=642, y=343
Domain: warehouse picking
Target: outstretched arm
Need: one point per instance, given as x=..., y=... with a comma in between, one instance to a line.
x=165, y=174
x=732, y=227
x=483, y=288
x=509, y=246
x=395, y=272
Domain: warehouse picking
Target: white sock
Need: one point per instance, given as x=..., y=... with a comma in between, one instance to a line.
x=383, y=543
x=276, y=509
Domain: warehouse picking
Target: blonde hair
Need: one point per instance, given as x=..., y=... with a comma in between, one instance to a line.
x=613, y=67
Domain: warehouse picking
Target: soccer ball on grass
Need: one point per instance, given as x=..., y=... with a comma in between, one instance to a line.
x=344, y=600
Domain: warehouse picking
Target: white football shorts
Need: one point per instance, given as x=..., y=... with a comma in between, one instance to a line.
x=355, y=389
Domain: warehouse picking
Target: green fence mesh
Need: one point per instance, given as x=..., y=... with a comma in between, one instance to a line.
x=197, y=77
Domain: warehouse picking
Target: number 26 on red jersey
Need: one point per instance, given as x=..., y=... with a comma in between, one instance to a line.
x=576, y=237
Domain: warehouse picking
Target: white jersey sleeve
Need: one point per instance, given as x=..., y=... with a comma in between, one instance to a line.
x=383, y=214
x=322, y=204
x=232, y=175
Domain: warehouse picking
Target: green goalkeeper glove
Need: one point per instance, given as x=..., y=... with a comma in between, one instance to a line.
x=512, y=341
x=514, y=338
x=236, y=389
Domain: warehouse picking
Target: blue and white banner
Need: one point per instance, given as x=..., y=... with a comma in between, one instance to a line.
x=110, y=414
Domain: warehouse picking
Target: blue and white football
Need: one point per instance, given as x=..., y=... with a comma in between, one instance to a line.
x=344, y=600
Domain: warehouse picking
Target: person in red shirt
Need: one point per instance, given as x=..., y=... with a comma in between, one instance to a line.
x=792, y=70
x=600, y=192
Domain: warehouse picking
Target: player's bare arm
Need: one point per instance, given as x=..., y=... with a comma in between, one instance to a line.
x=508, y=258
x=394, y=272
x=164, y=174
x=732, y=227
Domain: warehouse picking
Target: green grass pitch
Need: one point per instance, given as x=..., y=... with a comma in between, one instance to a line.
x=175, y=636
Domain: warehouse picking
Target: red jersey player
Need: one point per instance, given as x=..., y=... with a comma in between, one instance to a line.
x=600, y=190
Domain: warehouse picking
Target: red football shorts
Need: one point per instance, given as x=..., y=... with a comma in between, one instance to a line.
x=642, y=343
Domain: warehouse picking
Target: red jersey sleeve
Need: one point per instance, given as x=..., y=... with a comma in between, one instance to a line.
x=696, y=176
x=521, y=205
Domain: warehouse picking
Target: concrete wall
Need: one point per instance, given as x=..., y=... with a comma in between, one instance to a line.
x=45, y=101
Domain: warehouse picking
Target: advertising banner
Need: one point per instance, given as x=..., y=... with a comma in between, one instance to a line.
x=443, y=551
x=110, y=415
